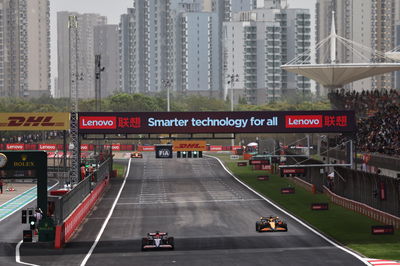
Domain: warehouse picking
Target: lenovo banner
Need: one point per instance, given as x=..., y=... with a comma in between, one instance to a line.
x=217, y=122
x=215, y=148
x=84, y=147
x=47, y=147
x=146, y=148
x=15, y=147
x=116, y=147
x=34, y=121
x=189, y=145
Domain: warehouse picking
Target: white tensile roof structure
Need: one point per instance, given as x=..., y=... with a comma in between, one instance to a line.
x=336, y=75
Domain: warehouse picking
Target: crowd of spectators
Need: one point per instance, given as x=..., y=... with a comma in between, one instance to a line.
x=28, y=138
x=381, y=132
x=365, y=103
x=378, y=115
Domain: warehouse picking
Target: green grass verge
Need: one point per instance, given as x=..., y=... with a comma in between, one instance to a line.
x=120, y=169
x=345, y=226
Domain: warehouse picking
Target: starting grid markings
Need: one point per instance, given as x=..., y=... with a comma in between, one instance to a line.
x=377, y=262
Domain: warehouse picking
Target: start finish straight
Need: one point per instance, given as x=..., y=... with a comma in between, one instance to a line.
x=211, y=122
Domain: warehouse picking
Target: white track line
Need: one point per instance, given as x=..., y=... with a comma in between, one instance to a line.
x=293, y=217
x=17, y=252
x=107, y=219
x=18, y=257
x=188, y=201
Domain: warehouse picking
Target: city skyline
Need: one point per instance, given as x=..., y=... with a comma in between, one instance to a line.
x=113, y=10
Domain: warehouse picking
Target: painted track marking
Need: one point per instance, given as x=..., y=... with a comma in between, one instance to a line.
x=17, y=252
x=290, y=215
x=107, y=219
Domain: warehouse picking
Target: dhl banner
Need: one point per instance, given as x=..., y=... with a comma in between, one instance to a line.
x=189, y=145
x=34, y=121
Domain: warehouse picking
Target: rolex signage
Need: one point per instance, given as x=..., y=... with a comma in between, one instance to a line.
x=22, y=160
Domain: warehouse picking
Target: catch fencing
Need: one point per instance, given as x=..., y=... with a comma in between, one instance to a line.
x=377, y=191
x=66, y=204
x=362, y=208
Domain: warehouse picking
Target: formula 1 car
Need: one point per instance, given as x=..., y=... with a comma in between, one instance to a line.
x=271, y=224
x=157, y=240
x=136, y=154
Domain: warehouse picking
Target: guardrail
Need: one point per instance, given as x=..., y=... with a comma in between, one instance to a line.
x=300, y=182
x=362, y=208
x=65, y=231
x=67, y=203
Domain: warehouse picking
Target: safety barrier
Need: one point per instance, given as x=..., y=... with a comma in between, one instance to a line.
x=65, y=231
x=60, y=147
x=362, y=208
x=303, y=184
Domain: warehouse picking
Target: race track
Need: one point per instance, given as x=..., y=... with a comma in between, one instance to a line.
x=210, y=214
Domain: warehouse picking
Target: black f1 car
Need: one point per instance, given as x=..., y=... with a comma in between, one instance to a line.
x=271, y=224
x=157, y=240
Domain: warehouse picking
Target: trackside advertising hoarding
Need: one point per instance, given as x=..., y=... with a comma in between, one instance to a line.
x=216, y=122
x=34, y=121
x=189, y=145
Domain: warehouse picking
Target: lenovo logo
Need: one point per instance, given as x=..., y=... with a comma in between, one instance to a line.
x=47, y=147
x=303, y=121
x=17, y=147
x=98, y=122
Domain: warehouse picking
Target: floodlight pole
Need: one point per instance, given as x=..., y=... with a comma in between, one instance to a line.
x=74, y=77
x=231, y=80
x=167, y=84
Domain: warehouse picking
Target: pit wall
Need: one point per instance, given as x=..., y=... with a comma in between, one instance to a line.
x=65, y=231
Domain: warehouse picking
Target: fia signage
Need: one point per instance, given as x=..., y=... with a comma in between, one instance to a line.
x=164, y=151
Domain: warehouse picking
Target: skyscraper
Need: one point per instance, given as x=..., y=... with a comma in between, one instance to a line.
x=143, y=42
x=169, y=43
x=127, y=55
x=24, y=48
x=84, y=53
x=257, y=43
x=106, y=45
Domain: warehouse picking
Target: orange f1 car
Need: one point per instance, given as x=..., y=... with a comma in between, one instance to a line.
x=271, y=224
x=136, y=154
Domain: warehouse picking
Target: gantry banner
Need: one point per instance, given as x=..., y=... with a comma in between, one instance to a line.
x=34, y=121
x=216, y=122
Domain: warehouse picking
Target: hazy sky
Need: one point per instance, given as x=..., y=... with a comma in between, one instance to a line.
x=113, y=9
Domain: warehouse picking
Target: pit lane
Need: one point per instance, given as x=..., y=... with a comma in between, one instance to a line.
x=211, y=216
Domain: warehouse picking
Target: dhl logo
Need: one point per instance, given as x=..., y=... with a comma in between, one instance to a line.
x=189, y=145
x=34, y=121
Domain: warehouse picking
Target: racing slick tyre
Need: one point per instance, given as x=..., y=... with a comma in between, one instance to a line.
x=144, y=243
x=258, y=227
x=171, y=242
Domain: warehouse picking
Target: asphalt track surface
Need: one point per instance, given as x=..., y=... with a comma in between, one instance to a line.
x=11, y=229
x=210, y=214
